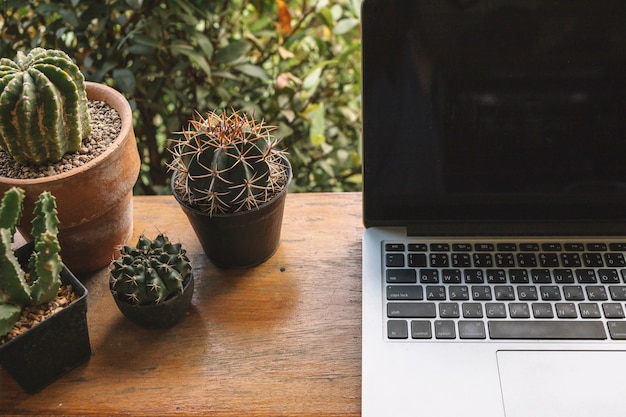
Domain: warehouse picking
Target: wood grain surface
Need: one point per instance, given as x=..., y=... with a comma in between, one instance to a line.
x=280, y=339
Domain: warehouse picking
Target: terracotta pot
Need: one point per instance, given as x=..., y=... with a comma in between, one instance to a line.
x=95, y=200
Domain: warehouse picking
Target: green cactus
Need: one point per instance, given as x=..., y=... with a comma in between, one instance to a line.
x=43, y=106
x=44, y=265
x=227, y=164
x=150, y=272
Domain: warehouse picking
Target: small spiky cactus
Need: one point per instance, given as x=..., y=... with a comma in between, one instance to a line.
x=44, y=265
x=43, y=106
x=150, y=272
x=227, y=164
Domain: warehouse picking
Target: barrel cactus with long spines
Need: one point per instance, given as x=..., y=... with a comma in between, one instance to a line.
x=44, y=266
x=227, y=164
x=150, y=272
x=43, y=106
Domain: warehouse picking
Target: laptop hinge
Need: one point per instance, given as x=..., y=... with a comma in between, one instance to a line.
x=474, y=228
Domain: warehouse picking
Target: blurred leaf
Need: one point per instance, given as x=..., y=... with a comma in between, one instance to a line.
x=231, y=52
x=125, y=80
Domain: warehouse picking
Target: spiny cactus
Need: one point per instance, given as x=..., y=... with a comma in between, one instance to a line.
x=227, y=164
x=44, y=265
x=43, y=106
x=150, y=272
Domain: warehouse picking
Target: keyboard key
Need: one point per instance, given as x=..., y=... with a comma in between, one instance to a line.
x=472, y=329
x=482, y=260
x=394, y=260
x=586, y=276
x=394, y=247
x=563, y=276
x=618, y=293
x=417, y=260
x=435, y=292
x=449, y=310
x=505, y=260
x=548, y=260
x=592, y=260
x=421, y=329
x=526, y=260
x=551, y=247
x=608, y=276
x=397, y=329
x=519, y=311
x=529, y=247
x=481, y=292
x=439, y=247
x=574, y=247
x=484, y=247
x=573, y=293
x=518, y=276
x=439, y=260
x=551, y=329
x=527, y=293
x=542, y=311
x=614, y=260
x=597, y=247
x=474, y=276
x=405, y=292
x=459, y=292
x=444, y=329
x=504, y=292
x=472, y=310
x=617, y=329
x=596, y=293
x=401, y=276
x=566, y=310
x=550, y=293
x=429, y=276
x=416, y=310
x=461, y=260
x=418, y=247
x=613, y=310
x=570, y=260
x=589, y=311
x=451, y=276
x=541, y=276
x=506, y=247
x=462, y=247
x=495, y=310
x=618, y=246
x=496, y=276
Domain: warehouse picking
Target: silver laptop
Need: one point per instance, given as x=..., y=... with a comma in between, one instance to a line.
x=494, y=272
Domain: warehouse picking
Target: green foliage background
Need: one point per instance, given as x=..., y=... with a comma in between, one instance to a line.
x=172, y=58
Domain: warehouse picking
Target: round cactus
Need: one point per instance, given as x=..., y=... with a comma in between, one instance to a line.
x=43, y=106
x=151, y=272
x=227, y=164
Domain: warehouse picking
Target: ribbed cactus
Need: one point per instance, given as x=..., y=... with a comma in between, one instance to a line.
x=227, y=164
x=43, y=106
x=151, y=272
x=44, y=265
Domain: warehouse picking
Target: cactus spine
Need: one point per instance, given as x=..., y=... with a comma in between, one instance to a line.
x=227, y=164
x=44, y=263
x=150, y=272
x=43, y=106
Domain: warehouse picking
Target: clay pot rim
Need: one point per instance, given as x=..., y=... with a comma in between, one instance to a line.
x=113, y=98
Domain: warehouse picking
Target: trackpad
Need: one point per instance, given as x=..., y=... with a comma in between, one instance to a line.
x=563, y=383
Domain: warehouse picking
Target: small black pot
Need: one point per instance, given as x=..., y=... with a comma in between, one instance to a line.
x=242, y=239
x=53, y=347
x=158, y=316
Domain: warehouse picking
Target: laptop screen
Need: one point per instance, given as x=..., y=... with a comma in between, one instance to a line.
x=483, y=110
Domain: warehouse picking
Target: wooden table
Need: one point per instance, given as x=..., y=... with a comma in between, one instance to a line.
x=283, y=338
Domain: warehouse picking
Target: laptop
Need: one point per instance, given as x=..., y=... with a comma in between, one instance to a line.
x=494, y=200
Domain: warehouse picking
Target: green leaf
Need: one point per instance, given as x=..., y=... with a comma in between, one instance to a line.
x=9, y=314
x=345, y=25
x=252, y=71
x=318, y=126
x=124, y=79
x=231, y=52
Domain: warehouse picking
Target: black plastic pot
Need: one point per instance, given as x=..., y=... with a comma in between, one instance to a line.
x=53, y=347
x=242, y=239
x=158, y=316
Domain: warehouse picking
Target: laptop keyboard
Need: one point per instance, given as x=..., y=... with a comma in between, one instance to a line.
x=484, y=290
